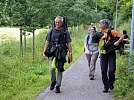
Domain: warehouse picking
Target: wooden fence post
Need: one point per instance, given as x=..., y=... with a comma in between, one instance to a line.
x=21, y=48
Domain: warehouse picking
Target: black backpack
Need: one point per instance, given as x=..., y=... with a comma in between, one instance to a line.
x=60, y=39
x=55, y=42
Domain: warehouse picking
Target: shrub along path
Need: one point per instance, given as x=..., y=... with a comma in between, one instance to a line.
x=76, y=84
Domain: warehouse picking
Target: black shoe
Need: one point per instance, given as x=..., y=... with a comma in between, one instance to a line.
x=111, y=86
x=57, y=89
x=105, y=90
x=92, y=78
x=52, y=85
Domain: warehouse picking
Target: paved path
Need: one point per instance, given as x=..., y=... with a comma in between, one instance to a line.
x=76, y=84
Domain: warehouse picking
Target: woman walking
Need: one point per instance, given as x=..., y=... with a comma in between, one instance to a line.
x=108, y=59
x=91, y=51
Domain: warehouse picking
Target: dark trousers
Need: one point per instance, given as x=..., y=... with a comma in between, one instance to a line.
x=108, y=67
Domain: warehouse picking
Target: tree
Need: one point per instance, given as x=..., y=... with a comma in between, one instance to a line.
x=40, y=13
x=124, y=9
x=4, y=19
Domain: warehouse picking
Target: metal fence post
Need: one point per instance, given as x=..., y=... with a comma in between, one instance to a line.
x=132, y=32
x=131, y=67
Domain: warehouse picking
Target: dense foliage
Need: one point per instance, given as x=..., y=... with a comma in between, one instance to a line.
x=40, y=13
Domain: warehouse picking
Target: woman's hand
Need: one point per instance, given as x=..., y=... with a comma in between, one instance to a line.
x=87, y=51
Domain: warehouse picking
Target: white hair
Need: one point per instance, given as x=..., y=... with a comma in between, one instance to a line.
x=59, y=17
x=105, y=22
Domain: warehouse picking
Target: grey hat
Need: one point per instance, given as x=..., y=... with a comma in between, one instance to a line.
x=105, y=22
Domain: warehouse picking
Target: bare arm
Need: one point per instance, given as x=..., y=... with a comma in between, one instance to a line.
x=86, y=48
x=126, y=40
x=120, y=39
x=70, y=51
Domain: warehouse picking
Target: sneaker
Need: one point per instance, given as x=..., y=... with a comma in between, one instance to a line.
x=57, y=89
x=52, y=85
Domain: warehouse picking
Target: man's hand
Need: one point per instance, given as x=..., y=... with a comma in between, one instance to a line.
x=44, y=57
x=70, y=58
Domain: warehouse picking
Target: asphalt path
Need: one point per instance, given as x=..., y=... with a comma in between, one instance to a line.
x=76, y=84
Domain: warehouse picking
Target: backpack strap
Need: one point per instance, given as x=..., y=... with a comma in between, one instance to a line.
x=88, y=38
x=64, y=31
x=110, y=34
x=51, y=31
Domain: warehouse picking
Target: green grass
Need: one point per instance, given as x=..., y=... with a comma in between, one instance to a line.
x=21, y=78
x=124, y=84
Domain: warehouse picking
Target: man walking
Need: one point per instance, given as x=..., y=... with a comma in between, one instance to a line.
x=58, y=42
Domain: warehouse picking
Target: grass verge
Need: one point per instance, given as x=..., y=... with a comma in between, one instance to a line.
x=23, y=78
x=124, y=84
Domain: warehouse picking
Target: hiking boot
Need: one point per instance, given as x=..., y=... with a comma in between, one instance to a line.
x=57, y=89
x=92, y=78
x=52, y=85
x=105, y=90
x=111, y=86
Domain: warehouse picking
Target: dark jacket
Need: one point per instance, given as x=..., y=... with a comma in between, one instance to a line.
x=57, y=47
x=96, y=38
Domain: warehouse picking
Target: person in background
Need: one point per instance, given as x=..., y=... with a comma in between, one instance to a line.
x=91, y=52
x=124, y=41
x=111, y=26
x=108, y=60
x=52, y=38
x=126, y=38
x=92, y=25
